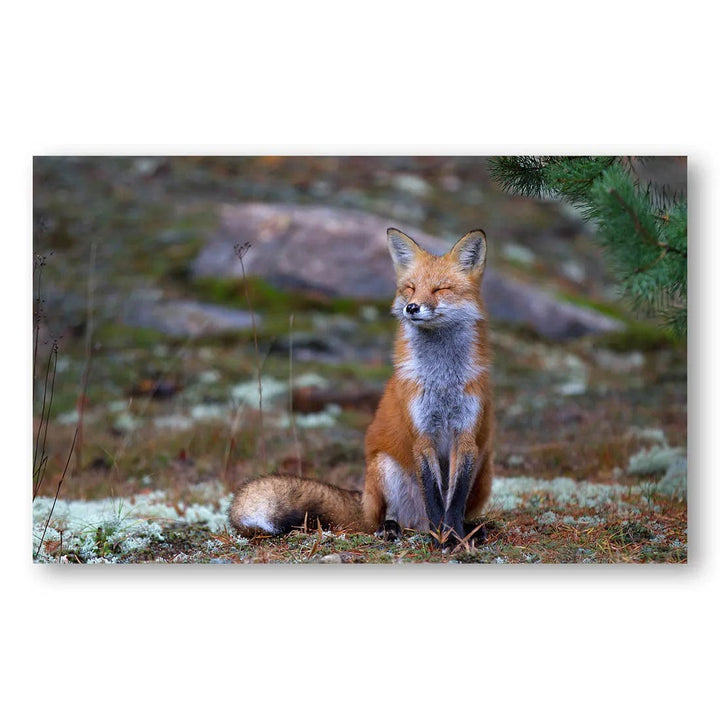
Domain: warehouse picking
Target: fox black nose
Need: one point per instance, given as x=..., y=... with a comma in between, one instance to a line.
x=412, y=308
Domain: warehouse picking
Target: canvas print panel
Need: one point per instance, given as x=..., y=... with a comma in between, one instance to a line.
x=359, y=360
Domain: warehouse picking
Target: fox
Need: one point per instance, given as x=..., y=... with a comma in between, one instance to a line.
x=429, y=447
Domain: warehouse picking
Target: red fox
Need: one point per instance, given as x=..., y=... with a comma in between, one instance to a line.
x=428, y=450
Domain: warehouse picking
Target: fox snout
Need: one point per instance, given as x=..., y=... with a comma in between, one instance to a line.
x=426, y=314
x=417, y=312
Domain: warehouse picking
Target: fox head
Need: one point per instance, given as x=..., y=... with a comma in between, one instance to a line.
x=433, y=290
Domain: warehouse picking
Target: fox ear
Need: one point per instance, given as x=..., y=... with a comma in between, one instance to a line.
x=470, y=250
x=403, y=249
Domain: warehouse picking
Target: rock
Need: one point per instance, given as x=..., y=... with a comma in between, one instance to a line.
x=338, y=252
x=515, y=302
x=341, y=252
x=186, y=318
x=308, y=347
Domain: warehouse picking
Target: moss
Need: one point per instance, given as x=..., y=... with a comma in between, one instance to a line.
x=644, y=337
x=219, y=290
x=177, y=258
x=231, y=291
x=189, y=539
x=524, y=332
x=612, y=310
x=663, y=554
x=628, y=532
x=271, y=300
x=118, y=336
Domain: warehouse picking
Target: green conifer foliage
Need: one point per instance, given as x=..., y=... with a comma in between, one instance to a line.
x=641, y=229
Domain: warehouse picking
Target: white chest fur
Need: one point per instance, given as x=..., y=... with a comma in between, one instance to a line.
x=442, y=362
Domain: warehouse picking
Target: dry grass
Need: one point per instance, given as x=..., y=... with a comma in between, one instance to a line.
x=630, y=525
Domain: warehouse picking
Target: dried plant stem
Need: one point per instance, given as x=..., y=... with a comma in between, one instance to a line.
x=40, y=458
x=57, y=493
x=38, y=311
x=230, y=446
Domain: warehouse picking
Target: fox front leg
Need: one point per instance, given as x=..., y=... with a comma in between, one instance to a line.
x=431, y=483
x=463, y=470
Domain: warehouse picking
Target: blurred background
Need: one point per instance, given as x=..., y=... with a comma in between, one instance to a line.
x=154, y=318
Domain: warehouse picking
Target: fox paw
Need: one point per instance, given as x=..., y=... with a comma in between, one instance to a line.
x=479, y=533
x=389, y=531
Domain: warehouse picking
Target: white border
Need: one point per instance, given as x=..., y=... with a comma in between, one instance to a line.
x=309, y=78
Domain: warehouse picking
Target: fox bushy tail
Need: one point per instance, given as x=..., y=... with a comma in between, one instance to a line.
x=275, y=504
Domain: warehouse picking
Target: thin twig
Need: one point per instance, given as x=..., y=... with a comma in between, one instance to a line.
x=57, y=493
x=231, y=443
x=40, y=459
x=40, y=467
x=37, y=315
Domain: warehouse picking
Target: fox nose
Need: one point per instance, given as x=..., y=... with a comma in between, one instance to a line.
x=412, y=308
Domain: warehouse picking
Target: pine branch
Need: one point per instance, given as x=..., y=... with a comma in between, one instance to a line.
x=648, y=253
x=572, y=178
x=568, y=177
x=521, y=175
x=641, y=229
